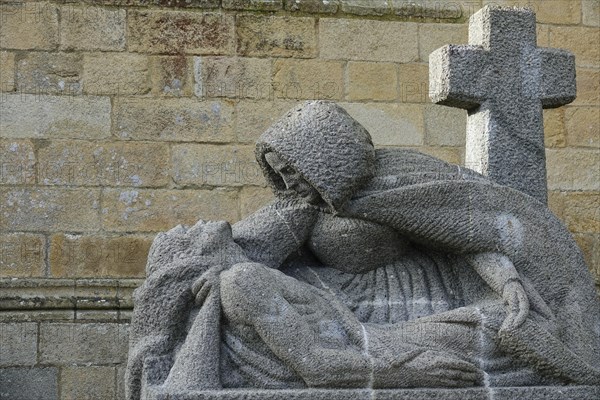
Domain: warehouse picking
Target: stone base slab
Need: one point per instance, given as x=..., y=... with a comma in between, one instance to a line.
x=505, y=393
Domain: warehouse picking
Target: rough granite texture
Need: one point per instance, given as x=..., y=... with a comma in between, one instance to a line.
x=504, y=81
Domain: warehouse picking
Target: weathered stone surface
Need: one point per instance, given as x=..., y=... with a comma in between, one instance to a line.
x=504, y=39
x=366, y=7
x=22, y=255
x=18, y=344
x=18, y=162
x=583, y=126
x=115, y=74
x=31, y=116
x=554, y=127
x=258, y=5
x=582, y=211
x=29, y=26
x=387, y=40
x=413, y=82
x=79, y=163
x=265, y=35
x=50, y=73
x=212, y=165
x=98, y=256
x=184, y=120
x=69, y=343
x=580, y=40
x=254, y=198
x=434, y=36
x=308, y=79
x=29, y=383
x=591, y=12
x=590, y=245
x=7, y=72
x=573, y=169
x=562, y=12
x=43, y=209
x=92, y=28
x=254, y=117
x=434, y=10
x=445, y=126
x=175, y=32
x=156, y=210
x=372, y=81
x=453, y=155
x=172, y=75
x=312, y=6
x=78, y=383
x=390, y=124
x=588, y=87
x=232, y=77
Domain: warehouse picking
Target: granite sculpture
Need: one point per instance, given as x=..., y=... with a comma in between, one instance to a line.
x=373, y=271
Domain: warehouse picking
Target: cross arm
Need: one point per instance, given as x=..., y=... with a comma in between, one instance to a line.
x=455, y=73
x=557, y=81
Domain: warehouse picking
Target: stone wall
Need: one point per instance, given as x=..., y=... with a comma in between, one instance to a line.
x=123, y=118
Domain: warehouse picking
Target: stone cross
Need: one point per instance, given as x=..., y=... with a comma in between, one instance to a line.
x=504, y=80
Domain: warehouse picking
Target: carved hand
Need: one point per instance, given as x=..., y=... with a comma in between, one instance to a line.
x=517, y=303
x=208, y=281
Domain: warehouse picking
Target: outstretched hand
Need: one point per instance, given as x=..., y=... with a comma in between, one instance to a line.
x=207, y=282
x=517, y=303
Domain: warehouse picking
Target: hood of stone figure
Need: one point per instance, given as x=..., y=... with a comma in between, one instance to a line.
x=332, y=151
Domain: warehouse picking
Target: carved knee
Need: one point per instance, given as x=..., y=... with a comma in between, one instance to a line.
x=241, y=288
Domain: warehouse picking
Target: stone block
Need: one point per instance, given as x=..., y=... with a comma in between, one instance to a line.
x=445, y=126
x=160, y=210
x=7, y=71
x=47, y=117
x=75, y=256
x=556, y=203
x=313, y=6
x=573, y=169
x=18, y=344
x=390, y=124
x=254, y=198
x=22, y=255
x=258, y=5
x=581, y=41
x=366, y=7
x=582, y=212
x=180, y=32
x=84, y=163
x=254, y=117
x=554, y=127
x=172, y=75
x=562, y=12
x=29, y=26
x=435, y=10
x=413, y=82
x=434, y=36
x=308, y=79
x=29, y=383
x=71, y=343
x=87, y=383
x=181, y=119
x=588, y=87
x=92, y=28
x=583, y=126
x=345, y=39
x=50, y=73
x=372, y=81
x=453, y=155
x=232, y=77
x=115, y=74
x=591, y=12
x=275, y=36
x=17, y=165
x=47, y=209
x=212, y=165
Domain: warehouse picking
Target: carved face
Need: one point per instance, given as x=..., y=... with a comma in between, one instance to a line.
x=293, y=180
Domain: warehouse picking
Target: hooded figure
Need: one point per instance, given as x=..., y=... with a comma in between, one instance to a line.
x=374, y=263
